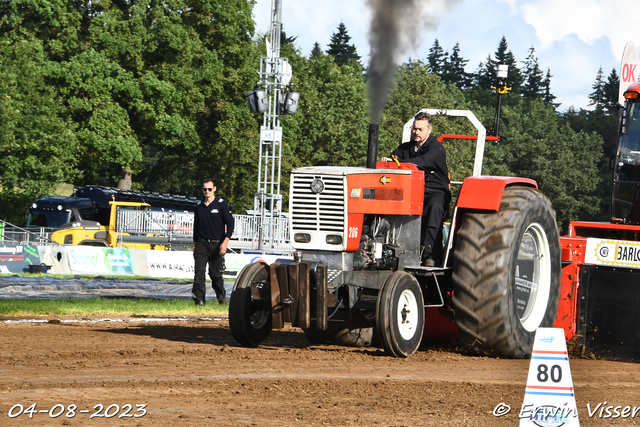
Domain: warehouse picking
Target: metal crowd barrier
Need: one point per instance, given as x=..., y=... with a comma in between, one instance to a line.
x=178, y=225
x=13, y=235
x=154, y=222
x=247, y=227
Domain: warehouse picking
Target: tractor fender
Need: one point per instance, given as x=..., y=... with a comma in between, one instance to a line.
x=485, y=192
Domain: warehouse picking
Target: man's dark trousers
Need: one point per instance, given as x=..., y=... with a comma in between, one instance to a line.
x=203, y=253
x=436, y=206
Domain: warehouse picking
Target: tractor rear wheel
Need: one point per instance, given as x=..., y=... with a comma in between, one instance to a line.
x=357, y=332
x=400, y=314
x=506, y=274
x=250, y=311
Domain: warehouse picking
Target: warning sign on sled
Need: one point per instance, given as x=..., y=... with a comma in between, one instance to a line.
x=615, y=253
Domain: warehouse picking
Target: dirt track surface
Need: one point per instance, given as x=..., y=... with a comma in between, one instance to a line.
x=192, y=373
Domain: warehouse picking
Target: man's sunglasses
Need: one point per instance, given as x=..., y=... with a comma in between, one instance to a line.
x=207, y=189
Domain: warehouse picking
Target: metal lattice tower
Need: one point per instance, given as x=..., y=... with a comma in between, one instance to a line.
x=275, y=74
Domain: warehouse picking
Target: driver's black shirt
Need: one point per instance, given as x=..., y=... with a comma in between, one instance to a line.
x=431, y=158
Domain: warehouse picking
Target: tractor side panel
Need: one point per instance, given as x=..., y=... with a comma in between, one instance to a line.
x=568, y=305
x=485, y=192
x=354, y=231
x=572, y=256
x=386, y=193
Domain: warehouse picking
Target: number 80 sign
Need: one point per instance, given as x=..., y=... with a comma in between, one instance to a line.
x=549, y=399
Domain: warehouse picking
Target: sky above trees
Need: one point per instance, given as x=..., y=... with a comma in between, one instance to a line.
x=574, y=49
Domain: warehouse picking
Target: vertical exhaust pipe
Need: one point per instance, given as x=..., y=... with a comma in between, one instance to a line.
x=372, y=148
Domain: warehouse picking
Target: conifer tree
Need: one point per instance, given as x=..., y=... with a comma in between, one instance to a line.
x=284, y=40
x=436, y=58
x=611, y=92
x=340, y=49
x=454, y=69
x=597, y=98
x=547, y=96
x=532, y=86
x=506, y=57
x=485, y=75
x=316, y=51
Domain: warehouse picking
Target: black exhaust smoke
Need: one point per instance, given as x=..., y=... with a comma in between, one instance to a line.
x=390, y=35
x=396, y=27
x=372, y=148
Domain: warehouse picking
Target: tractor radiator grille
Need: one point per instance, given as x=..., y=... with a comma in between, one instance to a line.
x=317, y=212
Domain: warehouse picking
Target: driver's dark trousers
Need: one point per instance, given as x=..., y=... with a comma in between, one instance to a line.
x=436, y=207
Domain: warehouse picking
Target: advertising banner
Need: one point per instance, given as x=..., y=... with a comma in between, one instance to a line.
x=174, y=264
x=100, y=260
x=615, y=253
x=180, y=265
x=17, y=258
x=628, y=70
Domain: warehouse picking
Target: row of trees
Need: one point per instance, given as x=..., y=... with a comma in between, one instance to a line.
x=102, y=92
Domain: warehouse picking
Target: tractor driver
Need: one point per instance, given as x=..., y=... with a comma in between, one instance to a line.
x=428, y=155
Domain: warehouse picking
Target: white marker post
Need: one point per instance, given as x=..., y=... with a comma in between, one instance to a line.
x=549, y=399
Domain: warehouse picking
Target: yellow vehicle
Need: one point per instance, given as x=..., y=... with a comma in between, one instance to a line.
x=132, y=225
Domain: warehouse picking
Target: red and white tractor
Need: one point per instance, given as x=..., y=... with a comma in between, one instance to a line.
x=356, y=277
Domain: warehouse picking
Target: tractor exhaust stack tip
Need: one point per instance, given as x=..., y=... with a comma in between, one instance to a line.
x=372, y=149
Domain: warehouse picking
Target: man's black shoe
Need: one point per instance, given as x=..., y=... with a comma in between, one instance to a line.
x=222, y=298
x=198, y=302
x=431, y=261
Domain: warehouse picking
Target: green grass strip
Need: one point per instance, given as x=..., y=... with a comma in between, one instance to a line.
x=109, y=306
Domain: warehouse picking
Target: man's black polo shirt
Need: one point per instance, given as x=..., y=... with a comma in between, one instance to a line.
x=210, y=221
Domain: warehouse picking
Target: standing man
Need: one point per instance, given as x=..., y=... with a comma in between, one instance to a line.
x=212, y=229
x=428, y=155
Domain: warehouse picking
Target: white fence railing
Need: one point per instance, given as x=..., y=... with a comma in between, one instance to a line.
x=247, y=228
x=175, y=225
x=179, y=224
x=154, y=222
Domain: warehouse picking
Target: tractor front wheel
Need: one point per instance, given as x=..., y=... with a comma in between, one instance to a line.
x=506, y=274
x=250, y=305
x=400, y=314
